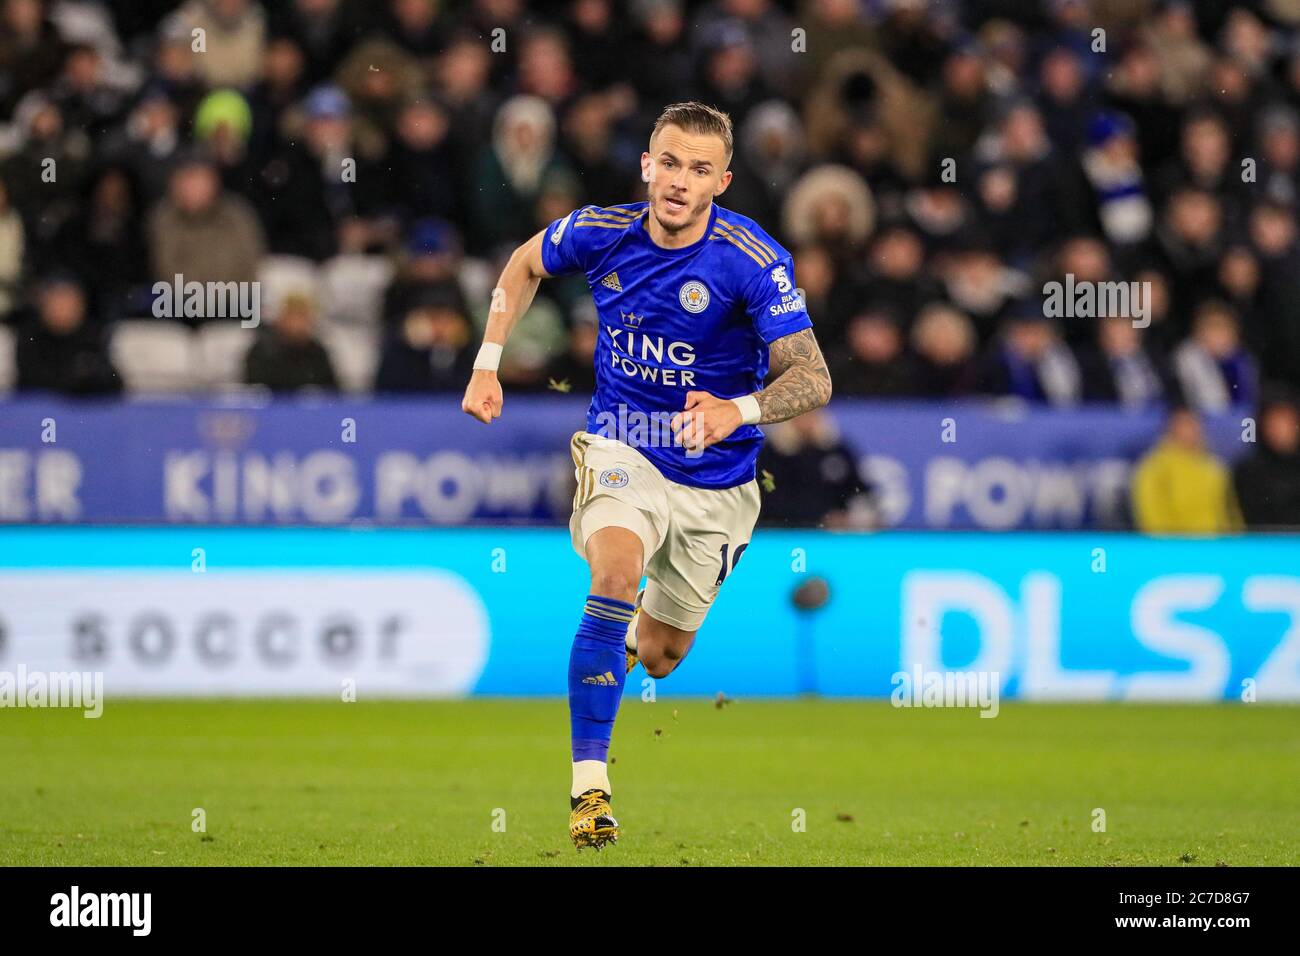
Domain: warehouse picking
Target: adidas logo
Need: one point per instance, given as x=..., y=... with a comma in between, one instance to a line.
x=611, y=282
x=601, y=679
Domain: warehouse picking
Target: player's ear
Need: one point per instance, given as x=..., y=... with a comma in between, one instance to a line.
x=723, y=183
x=647, y=168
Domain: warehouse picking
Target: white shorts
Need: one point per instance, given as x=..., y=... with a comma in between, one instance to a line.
x=692, y=537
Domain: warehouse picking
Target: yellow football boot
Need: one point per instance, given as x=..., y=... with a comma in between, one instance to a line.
x=591, y=822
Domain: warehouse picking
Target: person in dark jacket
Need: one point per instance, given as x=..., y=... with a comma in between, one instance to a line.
x=1028, y=360
x=104, y=244
x=810, y=477
x=58, y=351
x=874, y=364
x=308, y=208
x=1268, y=481
x=423, y=160
x=1121, y=369
x=433, y=257
x=943, y=340
x=573, y=370
x=287, y=356
x=431, y=350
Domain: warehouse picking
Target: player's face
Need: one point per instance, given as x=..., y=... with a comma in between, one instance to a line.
x=686, y=170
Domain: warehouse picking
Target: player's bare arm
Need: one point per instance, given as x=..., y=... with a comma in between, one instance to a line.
x=510, y=300
x=802, y=383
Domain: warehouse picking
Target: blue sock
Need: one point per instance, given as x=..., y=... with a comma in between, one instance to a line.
x=597, y=666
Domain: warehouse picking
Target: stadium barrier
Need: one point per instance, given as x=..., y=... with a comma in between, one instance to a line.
x=450, y=612
x=989, y=466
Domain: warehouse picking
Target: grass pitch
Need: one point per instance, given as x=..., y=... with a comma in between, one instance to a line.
x=485, y=782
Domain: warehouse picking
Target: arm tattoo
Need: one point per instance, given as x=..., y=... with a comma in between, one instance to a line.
x=801, y=381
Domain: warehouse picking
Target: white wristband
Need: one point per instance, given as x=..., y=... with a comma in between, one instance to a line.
x=750, y=413
x=489, y=356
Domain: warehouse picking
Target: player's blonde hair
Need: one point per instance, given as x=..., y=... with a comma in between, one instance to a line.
x=695, y=117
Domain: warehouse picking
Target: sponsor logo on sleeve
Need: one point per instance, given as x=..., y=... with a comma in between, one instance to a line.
x=558, y=234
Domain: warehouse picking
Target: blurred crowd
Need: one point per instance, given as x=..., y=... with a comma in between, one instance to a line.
x=930, y=163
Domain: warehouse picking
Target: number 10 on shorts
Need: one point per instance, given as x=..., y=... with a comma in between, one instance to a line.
x=735, y=560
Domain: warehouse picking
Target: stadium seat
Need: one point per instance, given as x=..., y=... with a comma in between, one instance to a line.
x=155, y=355
x=477, y=278
x=8, y=367
x=352, y=289
x=286, y=275
x=221, y=350
x=355, y=354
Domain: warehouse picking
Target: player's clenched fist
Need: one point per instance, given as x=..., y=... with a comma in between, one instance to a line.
x=482, y=396
x=706, y=420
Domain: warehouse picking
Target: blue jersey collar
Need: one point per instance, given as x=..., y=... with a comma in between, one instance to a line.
x=684, y=250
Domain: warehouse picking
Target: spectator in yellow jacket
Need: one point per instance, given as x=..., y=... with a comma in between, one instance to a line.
x=1180, y=487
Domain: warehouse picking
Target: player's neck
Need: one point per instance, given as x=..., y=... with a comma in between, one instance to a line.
x=680, y=239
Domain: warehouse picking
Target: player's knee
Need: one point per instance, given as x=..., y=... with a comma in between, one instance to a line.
x=659, y=666
x=662, y=661
x=616, y=581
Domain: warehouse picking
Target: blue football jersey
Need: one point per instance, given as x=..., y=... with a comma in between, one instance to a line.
x=676, y=320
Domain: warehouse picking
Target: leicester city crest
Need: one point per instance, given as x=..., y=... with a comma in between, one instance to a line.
x=614, y=478
x=694, y=296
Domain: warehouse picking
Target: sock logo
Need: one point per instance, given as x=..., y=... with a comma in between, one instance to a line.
x=604, y=680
